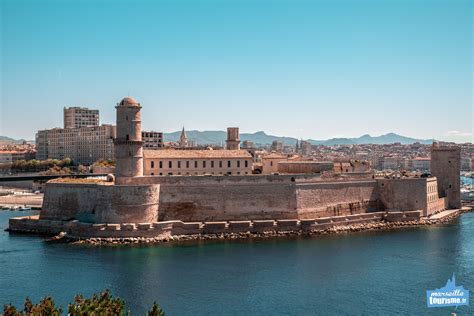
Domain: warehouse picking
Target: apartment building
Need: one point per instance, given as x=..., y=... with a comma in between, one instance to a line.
x=83, y=145
x=77, y=117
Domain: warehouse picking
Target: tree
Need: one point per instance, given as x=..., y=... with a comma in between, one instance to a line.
x=82, y=169
x=66, y=162
x=99, y=304
x=102, y=303
x=46, y=307
x=9, y=310
x=155, y=311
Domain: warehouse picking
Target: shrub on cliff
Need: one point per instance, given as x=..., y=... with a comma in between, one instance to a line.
x=99, y=304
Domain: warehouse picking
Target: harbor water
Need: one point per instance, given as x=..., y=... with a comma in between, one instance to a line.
x=376, y=273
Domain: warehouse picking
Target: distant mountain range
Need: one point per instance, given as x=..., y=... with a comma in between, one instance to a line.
x=261, y=138
x=8, y=140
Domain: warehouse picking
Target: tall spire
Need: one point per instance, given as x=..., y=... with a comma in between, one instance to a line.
x=183, y=139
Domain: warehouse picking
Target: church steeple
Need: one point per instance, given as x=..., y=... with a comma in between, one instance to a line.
x=183, y=139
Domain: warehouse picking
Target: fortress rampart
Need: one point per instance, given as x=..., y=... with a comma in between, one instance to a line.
x=222, y=198
x=134, y=205
x=100, y=203
x=233, y=198
x=166, y=229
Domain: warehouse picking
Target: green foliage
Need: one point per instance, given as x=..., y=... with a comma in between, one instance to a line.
x=56, y=170
x=99, y=304
x=82, y=169
x=155, y=311
x=45, y=307
x=102, y=303
x=105, y=163
x=37, y=165
x=9, y=310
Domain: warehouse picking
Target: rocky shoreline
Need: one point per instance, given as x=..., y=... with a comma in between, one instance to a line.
x=340, y=229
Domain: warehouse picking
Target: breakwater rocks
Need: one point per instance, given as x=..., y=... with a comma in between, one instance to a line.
x=337, y=229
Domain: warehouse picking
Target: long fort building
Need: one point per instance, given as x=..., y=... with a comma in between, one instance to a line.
x=152, y=189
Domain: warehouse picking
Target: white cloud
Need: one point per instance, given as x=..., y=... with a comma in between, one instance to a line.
x=458, y=133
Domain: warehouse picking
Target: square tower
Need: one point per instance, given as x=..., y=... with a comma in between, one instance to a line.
x=233, y=138
x=446, y=167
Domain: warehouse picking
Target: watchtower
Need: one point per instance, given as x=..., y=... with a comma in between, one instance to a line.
x=128, y=143
x=446, y=167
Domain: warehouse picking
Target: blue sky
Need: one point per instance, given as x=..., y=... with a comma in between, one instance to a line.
x=310, y=69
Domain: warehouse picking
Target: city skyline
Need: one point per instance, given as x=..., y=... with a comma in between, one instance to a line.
x=315, y=70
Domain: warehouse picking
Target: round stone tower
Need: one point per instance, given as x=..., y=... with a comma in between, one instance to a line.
x=128, y=143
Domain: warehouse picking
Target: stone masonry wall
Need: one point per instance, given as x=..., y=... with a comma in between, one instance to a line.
x=336, y=198
x=227, y=202
x=233, y=198
x=406, y=194
x=164, y=230
x=100, y=203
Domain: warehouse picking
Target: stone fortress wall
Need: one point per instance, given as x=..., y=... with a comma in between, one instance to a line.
x=230, y=198
x=166, y=229
x=140, y=205
x=100, y=203
x=260, y=197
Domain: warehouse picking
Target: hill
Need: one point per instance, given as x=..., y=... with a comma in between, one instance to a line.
x=261, y=138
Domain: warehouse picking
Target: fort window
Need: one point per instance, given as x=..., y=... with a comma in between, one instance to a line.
x=161, y=165
x=450, y=186
x=152, y=174
x=161, y=174
x=127, y=137
x=271, y=163
x=179, y=164
x=152, y=164
x=228, y=163
x=170, y=164
x=220, y=164
x=238, y=163
x=246, y=164
x=187, y=164
x=204, y=164
x=229, y=173
x=238, y=172
x=170, y=173
x=195, y=164
x=212, y=164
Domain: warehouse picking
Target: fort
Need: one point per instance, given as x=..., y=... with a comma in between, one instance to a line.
x=131, y=204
